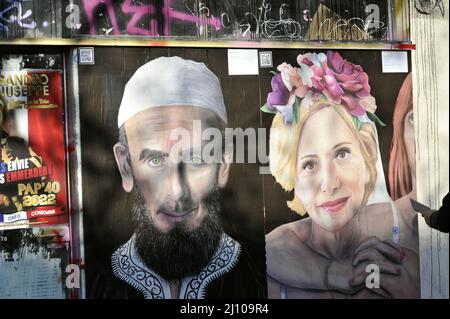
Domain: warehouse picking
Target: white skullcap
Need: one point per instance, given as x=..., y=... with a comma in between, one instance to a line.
x=169, y=81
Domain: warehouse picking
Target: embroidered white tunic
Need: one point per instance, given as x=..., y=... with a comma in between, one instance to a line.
x=128, y=266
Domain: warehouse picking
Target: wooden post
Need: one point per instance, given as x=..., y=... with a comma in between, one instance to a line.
x=431, y=108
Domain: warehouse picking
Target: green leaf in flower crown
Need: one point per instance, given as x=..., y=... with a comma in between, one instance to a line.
x=357, y=122
x=296, y=110
x=375, y=119
x=265, y=109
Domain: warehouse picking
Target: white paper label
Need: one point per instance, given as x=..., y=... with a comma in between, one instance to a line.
x=394, y=61
x=243, y=62
x=15, y=217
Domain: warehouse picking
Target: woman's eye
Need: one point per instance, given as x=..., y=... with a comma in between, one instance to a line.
x=411, y=118
x=343, y=153
x=155, y=161
x=309, y=166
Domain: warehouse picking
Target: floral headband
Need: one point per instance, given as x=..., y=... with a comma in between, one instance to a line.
x=321, y=76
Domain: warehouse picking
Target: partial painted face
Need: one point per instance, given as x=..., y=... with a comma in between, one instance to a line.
x=10, y=127
x=174, y=187
x=330, y=172
x=408, y=135
x=9, y=124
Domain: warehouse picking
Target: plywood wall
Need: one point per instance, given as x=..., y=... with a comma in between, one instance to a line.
x=431, y=107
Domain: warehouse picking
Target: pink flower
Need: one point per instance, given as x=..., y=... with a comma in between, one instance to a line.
x=350, y=77
x=311, y=72
x=309, y=99
x=286, y=71
x=369, y=104
x=350, y=82
x=320, y=76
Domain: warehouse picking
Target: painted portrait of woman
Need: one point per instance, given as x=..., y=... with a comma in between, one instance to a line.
x=402, y=168
x=324, y=148
x=402, y=161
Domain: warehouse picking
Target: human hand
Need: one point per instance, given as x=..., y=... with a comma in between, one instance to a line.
x=344, y=277
x=427, y=216
x=348, y=276
x=4, y=200
x=339, y=276
x=398, y=268
x=6, y=154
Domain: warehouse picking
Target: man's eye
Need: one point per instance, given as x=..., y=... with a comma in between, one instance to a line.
x=155, y=161
x=196, y=160
x=309, y=166
x=343, y=153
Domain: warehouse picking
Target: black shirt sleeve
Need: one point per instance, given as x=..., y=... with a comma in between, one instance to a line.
x=439, y=219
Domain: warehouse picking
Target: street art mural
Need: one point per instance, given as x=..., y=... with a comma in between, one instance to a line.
x=178, y=249
x=309, y=198
x=342, y=235
x=225, y=20
x=336, y=135
x=173, y=199
x=324, y=148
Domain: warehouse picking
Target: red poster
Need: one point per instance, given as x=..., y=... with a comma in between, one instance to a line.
x=33, y=189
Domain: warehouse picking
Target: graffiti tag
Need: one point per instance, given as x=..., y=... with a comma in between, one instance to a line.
x=428, y=6
x=13, y=14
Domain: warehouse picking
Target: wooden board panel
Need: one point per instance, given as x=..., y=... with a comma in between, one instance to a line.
x=431, y=104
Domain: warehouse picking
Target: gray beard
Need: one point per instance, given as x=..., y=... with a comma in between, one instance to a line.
x=180, y=252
